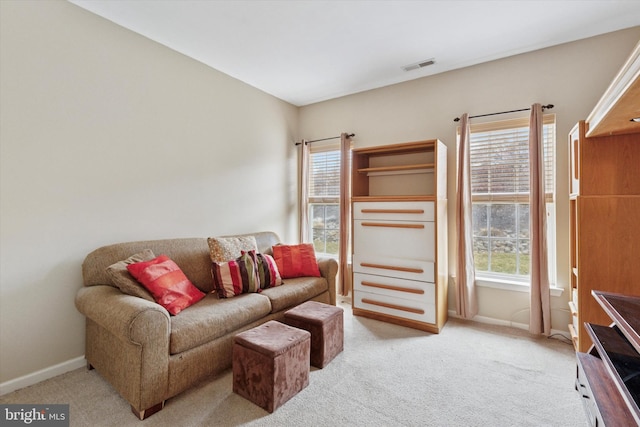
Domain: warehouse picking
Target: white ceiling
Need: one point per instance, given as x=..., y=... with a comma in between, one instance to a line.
x=313, y=50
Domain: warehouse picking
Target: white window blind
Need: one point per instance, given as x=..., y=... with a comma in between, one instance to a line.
x=499, y=157
x=324, y=175
x=499, y=154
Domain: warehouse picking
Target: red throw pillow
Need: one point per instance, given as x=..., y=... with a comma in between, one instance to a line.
x=296, y=260
x=167, y=283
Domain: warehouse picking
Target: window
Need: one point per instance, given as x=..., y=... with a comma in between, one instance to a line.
x=499, y=154
x=324, y=199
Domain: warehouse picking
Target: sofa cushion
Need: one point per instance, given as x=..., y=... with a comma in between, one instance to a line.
x=167, y=283
x=122, y=279
x=294, y=292
x=213, y=318
x=296, y=260
x=223, y=249
x=268, y=271
x=239, y=276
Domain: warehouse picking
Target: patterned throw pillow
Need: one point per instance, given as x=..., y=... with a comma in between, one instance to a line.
x=296, y=260
x=223, y=249
x=167, y=283
x=121, y=278
x=268, y=271
x=239, y=276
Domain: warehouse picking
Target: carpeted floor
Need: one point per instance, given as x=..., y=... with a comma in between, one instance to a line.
x=470, y=374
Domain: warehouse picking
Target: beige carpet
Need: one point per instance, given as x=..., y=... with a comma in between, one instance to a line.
x=469, y=375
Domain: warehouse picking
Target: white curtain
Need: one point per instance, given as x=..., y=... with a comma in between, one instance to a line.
x=466, y=298
x=540, y=316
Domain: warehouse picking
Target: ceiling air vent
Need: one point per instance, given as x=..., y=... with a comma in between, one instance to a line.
x=420, y=64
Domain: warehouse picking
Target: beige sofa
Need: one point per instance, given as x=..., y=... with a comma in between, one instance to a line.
x=148, y=355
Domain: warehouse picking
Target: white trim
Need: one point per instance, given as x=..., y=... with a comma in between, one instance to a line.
x=508, y=285
x=41, y=375
x=498, y=322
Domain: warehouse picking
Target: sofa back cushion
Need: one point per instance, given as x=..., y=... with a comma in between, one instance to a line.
x=191, y=255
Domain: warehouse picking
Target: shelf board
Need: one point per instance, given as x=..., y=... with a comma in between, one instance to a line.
x=395, y=198
x=397, y=168
x=403, y=148
x=574, y=336
x=613, y=113
x=624, y=310
x=573, y=308
x=622, y=362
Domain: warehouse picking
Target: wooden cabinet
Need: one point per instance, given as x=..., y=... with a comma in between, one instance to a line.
x=604, y=223
x=604, y=188
x=399, y=205
x=608, y=377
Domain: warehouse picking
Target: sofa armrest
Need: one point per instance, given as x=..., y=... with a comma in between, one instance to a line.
x=127, y=341
x=125, y=316
x=329, y=270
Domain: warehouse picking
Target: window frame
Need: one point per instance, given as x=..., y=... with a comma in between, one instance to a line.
x=321, y=200
x=516, y=282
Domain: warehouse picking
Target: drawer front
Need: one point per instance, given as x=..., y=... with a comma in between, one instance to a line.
x=394, y=211
x=403, y=268
x=414, y=240
x=588, y=402
x=399, y=307
x=394, y=287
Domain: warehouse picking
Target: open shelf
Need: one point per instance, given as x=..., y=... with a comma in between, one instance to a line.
x=621, y=361
x=608, y=377
x=410, y=170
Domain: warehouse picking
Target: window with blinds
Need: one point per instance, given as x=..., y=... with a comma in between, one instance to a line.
x=324, y=176
x=499, y=153
x=324, y=198
x=499, y=157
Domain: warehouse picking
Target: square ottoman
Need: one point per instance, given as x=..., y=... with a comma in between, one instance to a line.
x=271, y=363
x=325, y=322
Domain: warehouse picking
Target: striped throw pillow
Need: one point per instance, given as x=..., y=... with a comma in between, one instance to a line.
x=268, y=271
x=239, y=276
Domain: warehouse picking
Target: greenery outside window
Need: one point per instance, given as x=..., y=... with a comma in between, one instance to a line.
x=499, y=154
x=324, y=199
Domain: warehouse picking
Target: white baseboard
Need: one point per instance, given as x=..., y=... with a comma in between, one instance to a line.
x=492, y=321
x=41, y=375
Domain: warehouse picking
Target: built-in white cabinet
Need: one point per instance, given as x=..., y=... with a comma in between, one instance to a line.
x=400, y=234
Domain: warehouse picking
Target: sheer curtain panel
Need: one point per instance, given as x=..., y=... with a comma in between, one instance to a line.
x=344, y=282
x=466, y=298
x=540, y=317
x=304, y=192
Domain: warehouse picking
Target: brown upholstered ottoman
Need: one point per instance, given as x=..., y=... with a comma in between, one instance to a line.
x=270, y=363
x=325, y=322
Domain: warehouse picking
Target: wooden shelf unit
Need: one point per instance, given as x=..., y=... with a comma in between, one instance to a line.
x=608, y=376
x=399, y=201
x=604, y=187
x=604, y=215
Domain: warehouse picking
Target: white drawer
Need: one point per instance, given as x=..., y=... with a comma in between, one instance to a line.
x=414, y=240
x=403, y=268
x=394, y=287
x=399, y=307
x=395, y=211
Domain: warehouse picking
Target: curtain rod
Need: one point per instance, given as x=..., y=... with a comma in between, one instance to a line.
x=325, y=139
x=544, y=107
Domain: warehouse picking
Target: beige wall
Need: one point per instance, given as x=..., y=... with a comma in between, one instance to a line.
x=107, y=137
x=572, y=76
